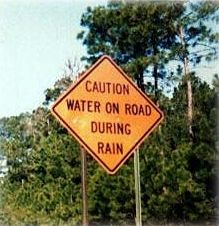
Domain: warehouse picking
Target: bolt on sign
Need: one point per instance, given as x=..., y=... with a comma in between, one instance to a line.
x=107, y=114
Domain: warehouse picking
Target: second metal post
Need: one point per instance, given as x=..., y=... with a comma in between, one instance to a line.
x=137, y=188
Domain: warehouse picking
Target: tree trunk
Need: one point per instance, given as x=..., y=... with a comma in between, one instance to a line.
x=188, y=82
x=140, y=80
x=155, y=75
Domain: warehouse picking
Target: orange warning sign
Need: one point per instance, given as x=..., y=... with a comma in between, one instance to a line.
x=107, y=113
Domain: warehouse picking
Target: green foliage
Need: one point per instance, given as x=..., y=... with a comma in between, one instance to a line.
x=111, y=198
x=137, y=36
x=177, y=174
x=200, y=40
x=144, y=37
x=45, y=173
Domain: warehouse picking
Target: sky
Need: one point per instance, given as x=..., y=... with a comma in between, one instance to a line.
x=37, y=38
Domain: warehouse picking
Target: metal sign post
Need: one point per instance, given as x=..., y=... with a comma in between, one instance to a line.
x=84, y=187
x=137, y=188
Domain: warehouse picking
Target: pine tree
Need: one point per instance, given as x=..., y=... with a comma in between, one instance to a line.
x=197, y=42
x=137, y=36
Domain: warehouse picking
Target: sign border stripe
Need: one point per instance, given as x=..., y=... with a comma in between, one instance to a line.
x=81, y=141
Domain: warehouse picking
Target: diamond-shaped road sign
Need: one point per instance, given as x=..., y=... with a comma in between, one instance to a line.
x=107, y=114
